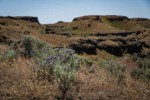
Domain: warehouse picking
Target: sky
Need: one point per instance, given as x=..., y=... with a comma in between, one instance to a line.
x=52, y=11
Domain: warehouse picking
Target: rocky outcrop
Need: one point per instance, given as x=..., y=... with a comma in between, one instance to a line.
x=116, y=46
x=87, y=46
x=26, y=18
x=111, y=18
x=139, y=19
x=120, y=33
x=115, y=18
x=94, y=18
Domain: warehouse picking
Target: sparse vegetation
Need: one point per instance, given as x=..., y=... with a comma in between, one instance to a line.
x=44, y=66
x=115, y=68
x=143, y=71
x=40, y=44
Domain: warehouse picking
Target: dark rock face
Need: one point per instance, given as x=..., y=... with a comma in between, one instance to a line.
x=31, y=19
x=120, y=33
x=115, y=50
x=90, y=48
x=87, y=46
x=140, y=19
x=114, y=18
x=111, y=18
x=115, y=46
x=95, y=18
x=26, y=18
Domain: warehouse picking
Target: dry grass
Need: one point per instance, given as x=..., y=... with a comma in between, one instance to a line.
x=98, y=85
x=18, y=81
x=55, y=40
x=3, y=48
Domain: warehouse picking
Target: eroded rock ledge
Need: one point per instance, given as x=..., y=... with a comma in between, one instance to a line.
x=26, y=18
x=116, y=46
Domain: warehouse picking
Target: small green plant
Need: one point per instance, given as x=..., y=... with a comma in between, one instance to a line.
x=28, y=46
x=9, y=55
x=88, y=62
x=115, y=68
x=143, y=71
x=40, y=44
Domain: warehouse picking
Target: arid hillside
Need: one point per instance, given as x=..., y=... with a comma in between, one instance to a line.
x=100, y=58
x=114, y=34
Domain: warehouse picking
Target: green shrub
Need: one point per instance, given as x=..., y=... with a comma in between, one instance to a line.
x=60, y=62
x=65, y=73
x=28, y=46
x=115, y=68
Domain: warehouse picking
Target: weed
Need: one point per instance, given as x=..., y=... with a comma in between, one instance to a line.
x=40, y=44
x=114, y=68
x=143, y=72
x=88, y=62
x=8, y=55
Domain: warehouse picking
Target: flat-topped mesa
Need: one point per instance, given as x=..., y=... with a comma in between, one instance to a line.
x=111, y=18
x=91, y=17
x=26, y=18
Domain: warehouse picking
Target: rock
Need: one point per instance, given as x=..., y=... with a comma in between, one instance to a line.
x=87, y=46
x=115, y=18
x=94, y=18
x=26, y=18
x=124, y=34
x=60, y=22
x=74, y=28
x=115, y=46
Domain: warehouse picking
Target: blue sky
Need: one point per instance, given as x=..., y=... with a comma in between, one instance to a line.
x=51, y=11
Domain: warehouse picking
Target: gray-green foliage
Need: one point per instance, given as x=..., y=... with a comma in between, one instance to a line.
x=115, y=68
x=143, y=71
x=44, y=59
x=65, y=72
x=40, y=44
x=60, y=62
